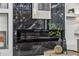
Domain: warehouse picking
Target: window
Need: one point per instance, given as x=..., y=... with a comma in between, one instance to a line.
x=3, y=30
x=44, y=6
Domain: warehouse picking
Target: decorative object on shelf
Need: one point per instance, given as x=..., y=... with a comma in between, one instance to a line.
x=58, y=49
x=52, y=25
x=2, y=39
x=71, y=10
x=60, y=41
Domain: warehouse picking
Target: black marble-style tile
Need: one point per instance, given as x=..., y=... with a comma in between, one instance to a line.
x=22, y=19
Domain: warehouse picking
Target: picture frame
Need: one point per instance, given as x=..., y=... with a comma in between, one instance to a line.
x=2, y=39
x=41, y=11
x=3, y=5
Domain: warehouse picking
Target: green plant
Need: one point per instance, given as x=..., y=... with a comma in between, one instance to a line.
x=52, y=25
x=57, y=32
x=54, y=33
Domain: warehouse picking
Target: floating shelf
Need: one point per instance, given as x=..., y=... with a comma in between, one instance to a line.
x=72, y=15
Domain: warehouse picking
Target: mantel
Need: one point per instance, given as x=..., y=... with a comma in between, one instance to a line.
x=34, y=35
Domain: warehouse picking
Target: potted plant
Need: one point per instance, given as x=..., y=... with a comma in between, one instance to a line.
x=53, y=26
x=56, y=33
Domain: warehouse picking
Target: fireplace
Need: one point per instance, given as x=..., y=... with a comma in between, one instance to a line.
x=30, y=35
x=34, y=42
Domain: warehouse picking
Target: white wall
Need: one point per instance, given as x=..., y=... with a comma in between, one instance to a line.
x=69, y=32
x=9, y=51
x=71, y=27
